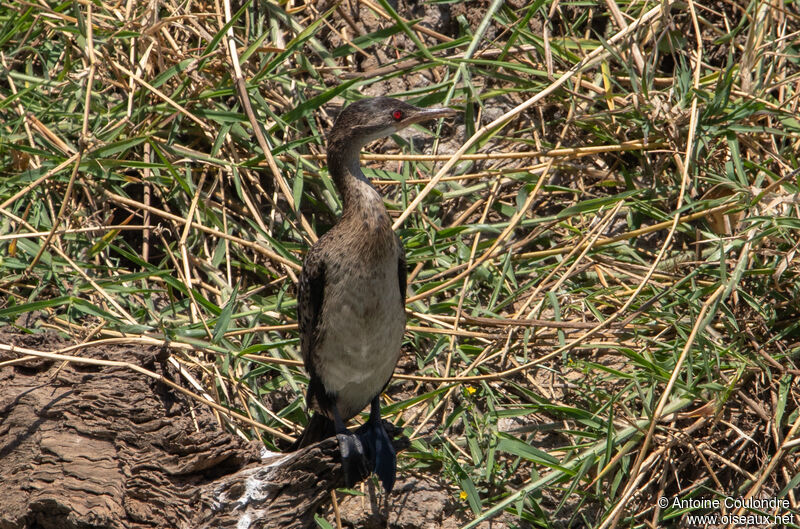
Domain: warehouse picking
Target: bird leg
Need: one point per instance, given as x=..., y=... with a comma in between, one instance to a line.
x=354, y=461
x=379, y=447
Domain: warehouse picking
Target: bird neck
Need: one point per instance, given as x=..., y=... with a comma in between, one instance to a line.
x=358, y=195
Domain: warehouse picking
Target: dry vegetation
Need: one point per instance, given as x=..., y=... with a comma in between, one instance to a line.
x=603, y=272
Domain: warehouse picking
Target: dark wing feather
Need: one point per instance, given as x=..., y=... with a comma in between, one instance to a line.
x=310, y=296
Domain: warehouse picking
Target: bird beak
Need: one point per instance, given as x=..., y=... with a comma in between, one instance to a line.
x=426, y=114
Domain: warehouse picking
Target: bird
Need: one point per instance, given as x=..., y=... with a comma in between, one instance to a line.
x=351, y=297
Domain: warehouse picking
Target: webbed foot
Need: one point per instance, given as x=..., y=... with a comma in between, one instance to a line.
x=354, y=461
x=380, y=452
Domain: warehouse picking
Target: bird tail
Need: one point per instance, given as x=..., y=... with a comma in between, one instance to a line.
x=319, y=427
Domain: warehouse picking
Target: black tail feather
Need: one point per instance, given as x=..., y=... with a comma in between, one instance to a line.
x=319, y=427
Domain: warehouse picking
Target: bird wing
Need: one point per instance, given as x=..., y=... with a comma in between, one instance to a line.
x=310, y=295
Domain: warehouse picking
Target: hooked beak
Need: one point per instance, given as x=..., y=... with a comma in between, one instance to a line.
x=426, y=114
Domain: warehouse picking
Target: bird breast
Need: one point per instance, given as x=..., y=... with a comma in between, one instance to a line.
x=363, y=319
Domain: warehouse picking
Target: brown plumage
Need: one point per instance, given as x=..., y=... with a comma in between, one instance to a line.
x=351, y=296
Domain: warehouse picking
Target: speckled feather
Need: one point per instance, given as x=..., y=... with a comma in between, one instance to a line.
x=351, y=299
x=351, y=307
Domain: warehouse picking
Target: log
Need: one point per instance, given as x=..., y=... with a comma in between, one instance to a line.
x=84, y=446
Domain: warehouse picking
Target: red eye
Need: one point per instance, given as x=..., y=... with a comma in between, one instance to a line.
x=397, y=115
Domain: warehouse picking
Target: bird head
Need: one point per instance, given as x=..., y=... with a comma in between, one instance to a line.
x=369, y=119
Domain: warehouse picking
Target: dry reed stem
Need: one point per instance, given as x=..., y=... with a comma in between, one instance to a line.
x=212, y=231
x=576, y=245
x=636, y=470
x=596, y=55
x=244, y=97
x=155, y=376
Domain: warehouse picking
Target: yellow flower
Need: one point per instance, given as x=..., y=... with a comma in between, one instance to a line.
x=471, y=390
x=463, y=495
